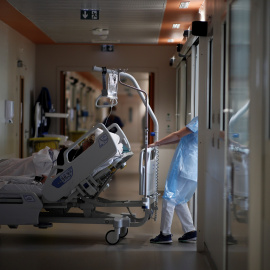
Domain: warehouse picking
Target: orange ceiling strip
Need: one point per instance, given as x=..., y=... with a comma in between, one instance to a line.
x=13, y=18
x=95, y=82
x=173, y=15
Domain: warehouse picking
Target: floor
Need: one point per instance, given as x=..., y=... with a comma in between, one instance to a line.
x=81, y=246
x=237, y=253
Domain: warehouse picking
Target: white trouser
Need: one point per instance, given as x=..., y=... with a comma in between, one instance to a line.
x=183, y=214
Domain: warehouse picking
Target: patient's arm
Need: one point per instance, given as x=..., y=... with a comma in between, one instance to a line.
x=44, y=178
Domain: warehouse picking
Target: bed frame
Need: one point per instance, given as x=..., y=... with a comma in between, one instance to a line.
x=76, y=188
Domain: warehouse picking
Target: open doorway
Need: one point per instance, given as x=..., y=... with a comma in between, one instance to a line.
x=79, y=91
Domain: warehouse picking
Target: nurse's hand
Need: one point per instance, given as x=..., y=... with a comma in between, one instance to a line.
x=153, y=145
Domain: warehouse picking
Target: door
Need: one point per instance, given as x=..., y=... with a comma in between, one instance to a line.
x=63, y=102
x=181, y=95
x=238, y=135
x=187, y=100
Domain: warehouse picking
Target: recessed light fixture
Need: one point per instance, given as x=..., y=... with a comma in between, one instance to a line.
x=171, y=40
x=100, y=31
x=105, y=41
x=176, y=25
x=184, y=4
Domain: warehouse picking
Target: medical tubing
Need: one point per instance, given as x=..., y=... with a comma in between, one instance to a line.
x=134, y=216
x=108, y=117
x=156, y=175
x=104, y=90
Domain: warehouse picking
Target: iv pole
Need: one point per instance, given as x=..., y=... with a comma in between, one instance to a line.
x=148, y=109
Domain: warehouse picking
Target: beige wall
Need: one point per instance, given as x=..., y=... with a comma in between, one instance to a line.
x=53, y=58
x=14, y=47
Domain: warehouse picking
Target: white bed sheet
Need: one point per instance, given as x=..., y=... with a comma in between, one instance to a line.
x=38, y=164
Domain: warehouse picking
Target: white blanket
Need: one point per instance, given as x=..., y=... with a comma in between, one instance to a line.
x=38, y=164
x=21, y=185
x=17, y=175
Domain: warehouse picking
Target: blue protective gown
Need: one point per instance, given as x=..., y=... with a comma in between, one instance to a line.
x=181, y=181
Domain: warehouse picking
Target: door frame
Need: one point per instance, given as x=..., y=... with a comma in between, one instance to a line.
x=21, y=118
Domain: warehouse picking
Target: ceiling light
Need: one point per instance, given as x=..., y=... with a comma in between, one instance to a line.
x=184, y=4
x=171, y=40
x=105, y=41
x=100, y=32
x=176, y=25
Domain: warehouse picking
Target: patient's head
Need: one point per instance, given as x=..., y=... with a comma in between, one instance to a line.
x=88, y=141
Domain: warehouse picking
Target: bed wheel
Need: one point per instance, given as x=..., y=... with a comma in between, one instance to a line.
x=123, y=232
x=13, y=226
x=111, y=237
x=45, y=225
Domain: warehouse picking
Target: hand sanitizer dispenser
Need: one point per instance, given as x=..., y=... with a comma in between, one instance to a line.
x=9, y=104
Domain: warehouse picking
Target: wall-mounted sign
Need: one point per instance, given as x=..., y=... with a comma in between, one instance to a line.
x=107, y=48
x=89, y=14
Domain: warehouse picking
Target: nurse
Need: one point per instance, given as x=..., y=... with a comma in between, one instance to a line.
x=181, y=183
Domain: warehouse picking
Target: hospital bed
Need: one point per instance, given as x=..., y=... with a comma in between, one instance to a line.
x=78, y=184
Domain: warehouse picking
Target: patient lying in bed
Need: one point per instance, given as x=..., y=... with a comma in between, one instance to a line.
x=38, y=164
x=36, y=168
x=75, y=152
x=24, y=172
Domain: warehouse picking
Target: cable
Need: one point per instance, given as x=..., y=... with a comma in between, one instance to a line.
x=108, y=117
x=157, y=171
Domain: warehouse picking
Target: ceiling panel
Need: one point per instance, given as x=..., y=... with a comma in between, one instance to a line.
x=128, y=21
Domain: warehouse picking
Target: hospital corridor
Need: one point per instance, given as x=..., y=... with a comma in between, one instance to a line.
x=135, y=134
x=82, y=246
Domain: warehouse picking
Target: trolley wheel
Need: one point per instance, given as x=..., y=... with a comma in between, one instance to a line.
x=111, y=237
x=13, y=226
x=123, y=232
